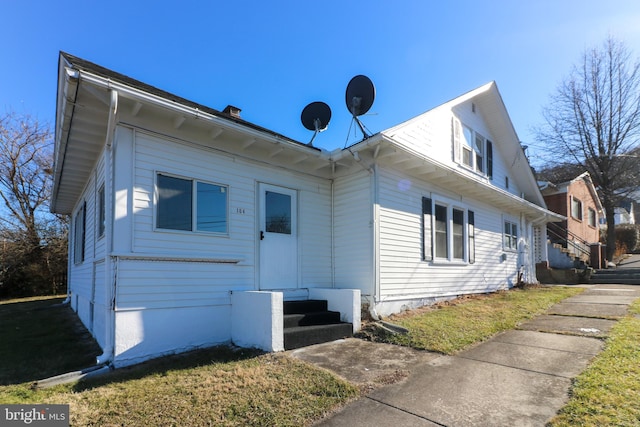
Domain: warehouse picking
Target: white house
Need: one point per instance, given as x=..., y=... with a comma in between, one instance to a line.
x=191, y=226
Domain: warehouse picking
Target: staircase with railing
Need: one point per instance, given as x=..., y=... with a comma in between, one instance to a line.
x=569, y=243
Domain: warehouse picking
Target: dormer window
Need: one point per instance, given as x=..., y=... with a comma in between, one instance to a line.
x=467, y=147
x=472, y=150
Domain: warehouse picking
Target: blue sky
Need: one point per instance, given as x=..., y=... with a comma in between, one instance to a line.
x=271, y=58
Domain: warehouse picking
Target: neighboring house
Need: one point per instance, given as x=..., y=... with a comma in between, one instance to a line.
x=190, y=226
x=577, y=200
x=625, y=213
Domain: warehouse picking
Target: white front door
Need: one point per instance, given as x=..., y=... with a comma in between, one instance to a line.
x=278, y=237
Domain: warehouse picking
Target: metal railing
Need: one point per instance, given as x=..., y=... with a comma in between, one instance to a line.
x=561, y=236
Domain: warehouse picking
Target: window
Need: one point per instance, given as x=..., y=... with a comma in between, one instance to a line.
x=79, y=228
x=212, y=208
x=467, y=147
x=101, y=211
x=179, y=198
x=441, y=232
x=472, y=149
x=472, y=237
x=576, y=208
x=592, y=217
x=510, y=240
x=458, y=234
x=448, y=233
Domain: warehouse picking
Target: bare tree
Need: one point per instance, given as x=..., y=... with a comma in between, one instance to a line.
x=31, y=236
x=593, y=119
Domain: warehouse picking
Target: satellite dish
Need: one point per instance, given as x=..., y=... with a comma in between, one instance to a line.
x=359, y=98
x=316, y=117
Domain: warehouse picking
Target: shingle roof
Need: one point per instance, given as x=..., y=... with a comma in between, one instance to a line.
x=84, y=65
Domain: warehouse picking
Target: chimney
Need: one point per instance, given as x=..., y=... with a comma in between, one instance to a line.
x=232, y=111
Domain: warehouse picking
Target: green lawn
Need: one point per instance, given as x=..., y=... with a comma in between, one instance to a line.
x=450, y=327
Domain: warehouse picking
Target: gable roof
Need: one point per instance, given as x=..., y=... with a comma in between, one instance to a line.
x=491, y=105
x=89, y=100
x=548, y=188
x=83, y=65
x=385, y=148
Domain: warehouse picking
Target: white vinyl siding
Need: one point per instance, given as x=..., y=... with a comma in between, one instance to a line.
x=496, y=167
x=436, y=135
x=353, y=233
x=403, y=272
x=202, y=276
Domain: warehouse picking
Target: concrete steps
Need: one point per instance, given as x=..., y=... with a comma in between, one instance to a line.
x=616, y=276
x=310, y=322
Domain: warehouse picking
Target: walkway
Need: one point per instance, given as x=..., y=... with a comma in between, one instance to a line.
x=518, y=378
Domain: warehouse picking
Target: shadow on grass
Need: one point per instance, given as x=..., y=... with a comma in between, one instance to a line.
x=162, y=365
x=42, y=338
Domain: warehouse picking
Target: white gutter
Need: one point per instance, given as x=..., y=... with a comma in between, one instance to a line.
x=380, y=138
x=70, y=93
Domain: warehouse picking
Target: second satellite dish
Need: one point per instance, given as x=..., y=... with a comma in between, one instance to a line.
x=359, y=97
x=316, y=117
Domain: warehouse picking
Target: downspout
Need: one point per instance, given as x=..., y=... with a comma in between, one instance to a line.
x=376, y=242
x=110, y=278
x=333, y=235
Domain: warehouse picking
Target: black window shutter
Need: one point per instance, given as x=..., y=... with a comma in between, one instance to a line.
x=472, y=237
x=489, y=159
x=427, y=249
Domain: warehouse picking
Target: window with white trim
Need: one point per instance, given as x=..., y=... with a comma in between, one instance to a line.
x=576, y=208
x=592, y=217
x=471, y=149
x=448, y=232
x=510, y=236
x=191, y=205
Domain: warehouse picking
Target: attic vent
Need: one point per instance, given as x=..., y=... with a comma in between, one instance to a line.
x=232, y=111
x=473, y=107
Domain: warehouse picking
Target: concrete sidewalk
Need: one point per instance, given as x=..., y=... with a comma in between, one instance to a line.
x=518, y=378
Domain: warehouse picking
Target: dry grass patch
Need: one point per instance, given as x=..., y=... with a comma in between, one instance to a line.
x=454, y=325
x=219, y=386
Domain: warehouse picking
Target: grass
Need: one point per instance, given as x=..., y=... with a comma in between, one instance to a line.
x=216, y=386
x=41, y=338
x=607, y=393
x=234, y=387
x=450, y=327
